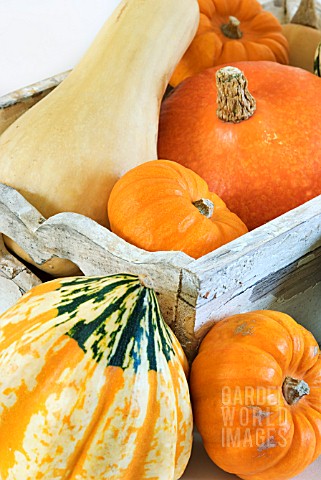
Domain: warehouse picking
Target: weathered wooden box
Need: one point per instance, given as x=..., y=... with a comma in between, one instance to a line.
x=276, y=266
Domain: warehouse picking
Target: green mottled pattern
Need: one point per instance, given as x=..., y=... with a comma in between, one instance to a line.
x=117, y=320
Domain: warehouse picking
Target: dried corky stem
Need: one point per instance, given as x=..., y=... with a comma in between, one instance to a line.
x=235, y=103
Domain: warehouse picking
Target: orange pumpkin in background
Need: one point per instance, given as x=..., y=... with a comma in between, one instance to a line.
x=161, y=205
x=256, y=395
x=257, y=145
x=232, y=31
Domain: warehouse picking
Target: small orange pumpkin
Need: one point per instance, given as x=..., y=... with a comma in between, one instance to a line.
x=161, y=205
x=256, y=395
x=261, y=156
x=232, y=31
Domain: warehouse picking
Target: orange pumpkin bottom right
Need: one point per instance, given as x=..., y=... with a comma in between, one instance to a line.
x=256, y=395
x=253, y=137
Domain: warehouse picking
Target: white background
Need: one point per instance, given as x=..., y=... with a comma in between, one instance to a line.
x=41, y=38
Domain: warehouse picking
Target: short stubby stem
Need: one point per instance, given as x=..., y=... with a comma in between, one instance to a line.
x=294, y=389
x=232, y=29
x=234, y=101
x=205, y=207
x=306, y=14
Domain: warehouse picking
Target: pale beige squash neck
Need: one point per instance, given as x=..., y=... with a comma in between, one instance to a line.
x=67, y=152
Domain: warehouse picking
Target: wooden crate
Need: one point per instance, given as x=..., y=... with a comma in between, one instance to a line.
x=276, y=266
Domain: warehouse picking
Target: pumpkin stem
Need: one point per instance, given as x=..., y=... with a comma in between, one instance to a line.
x=232, y=29
x=306, y=14
x=235, y=103
x=294, y=389
x=205, y=207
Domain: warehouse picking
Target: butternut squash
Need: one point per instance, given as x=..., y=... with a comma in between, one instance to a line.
x=66, y=152
x=303, y=35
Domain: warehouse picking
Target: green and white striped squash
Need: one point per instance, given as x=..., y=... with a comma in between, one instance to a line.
x=317, y=61
x=92, y=384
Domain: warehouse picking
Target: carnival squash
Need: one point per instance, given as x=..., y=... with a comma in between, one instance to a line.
x=161, y=205
x=256, y=395
x=317, y=61
x=303, y=35
x=67, y=151
x=231, y=31
x=260, y=167
x=93, y=384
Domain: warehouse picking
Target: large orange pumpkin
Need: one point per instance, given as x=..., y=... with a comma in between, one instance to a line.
x=256, y=395
x=231, y=31
x=263, y=166
x=161, y=205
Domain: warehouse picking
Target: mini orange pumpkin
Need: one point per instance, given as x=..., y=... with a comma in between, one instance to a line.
x=231, y=31
x=161, y=205
x=256, y=395
x=263, y=166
